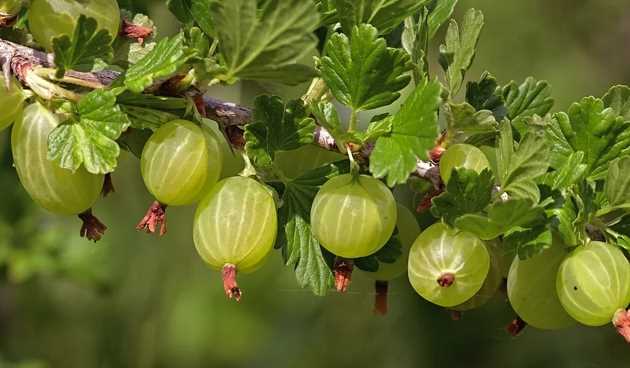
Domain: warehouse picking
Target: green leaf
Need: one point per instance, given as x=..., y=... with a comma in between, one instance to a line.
x=90, y=139
x=597, y=131
x=162, y=61
x=276, y=126
x=617, y=187
x=376, y=129
x=464, y=124
x=458, y=51
x=415, y=40
x=414, y=131
x=618, y=98
x=383, y=15
x=466, y=192
x=147, y=118
x=527, y=243
x=181, y=9
x=502, y=217
x=518, y=168
x=133, y=140
x=391, y=251
x=486, y=95
x=570, y=173
x=87, y=44
x=531, y=97
x=439, y=14
x=362, y=72
x=201, y=12
x=263, y=42
x=299, y=247
x=564, y=215
x=327, y=12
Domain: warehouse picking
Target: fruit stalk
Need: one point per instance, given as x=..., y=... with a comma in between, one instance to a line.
x=108, y=185
x=343, y=274
x=380, y=299
x=229, y=282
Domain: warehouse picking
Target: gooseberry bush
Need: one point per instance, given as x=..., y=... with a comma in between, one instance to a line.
x=341, y=174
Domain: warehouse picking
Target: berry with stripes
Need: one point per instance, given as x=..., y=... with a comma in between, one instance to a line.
x=353, y=216
x=180, y=162
x=235, y=228
x=58, y=190
x=447, y=266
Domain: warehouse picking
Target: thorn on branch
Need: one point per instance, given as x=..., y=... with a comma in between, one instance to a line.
x=343, y=274
x=92, y=228
x=230, y=286
x=154, y=218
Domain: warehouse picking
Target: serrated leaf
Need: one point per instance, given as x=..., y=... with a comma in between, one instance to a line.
x=570, y=173
x=90, y=139
x=465, y=124
x=501, y=218
x=439, y=14
x=486, y=95
x=299, y=247
x=597, y=131
x=618, y=99
x=264, y=40
x=276, y=126
x=389, y=253
x=147, y=118
x=617, y=187
x=327, y=12
x=201, y=11
x=466, y=192
x=527, y=243
x=414, y=131
x=519, y=168
x=458, y=50
x=86, y=45
x=362, y=72
x=162, y=61
x=181, y=9
x=383, y=15
x=531, y=97
x=415, y=40
x=564, y=215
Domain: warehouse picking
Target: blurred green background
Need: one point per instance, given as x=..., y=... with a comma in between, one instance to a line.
x=135, y=300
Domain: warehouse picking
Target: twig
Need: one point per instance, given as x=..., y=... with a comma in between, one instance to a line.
x=19, y=60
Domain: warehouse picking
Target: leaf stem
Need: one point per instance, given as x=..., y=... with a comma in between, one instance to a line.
x=354, y=121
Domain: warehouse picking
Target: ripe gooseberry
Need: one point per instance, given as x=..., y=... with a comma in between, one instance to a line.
x=532, y=293
x=353, y=216
x=593, y=283
x=11, y=102
x=58, y=190
x=447, y=266
x=408, y=230
x=235, y=228
x=179, y=163
x=463, y=156
x=49, y=19
x=490, y=285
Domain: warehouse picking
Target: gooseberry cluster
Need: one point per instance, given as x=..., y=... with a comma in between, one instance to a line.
x=515, y=197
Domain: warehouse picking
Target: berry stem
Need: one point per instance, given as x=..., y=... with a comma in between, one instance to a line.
x=154, y=218
x=108, y=185
x=516, y=326
x=380, y=299
x=92, y=228
x=229, y=282
x=455, y=315
x=343, y=274
x=622, y=323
